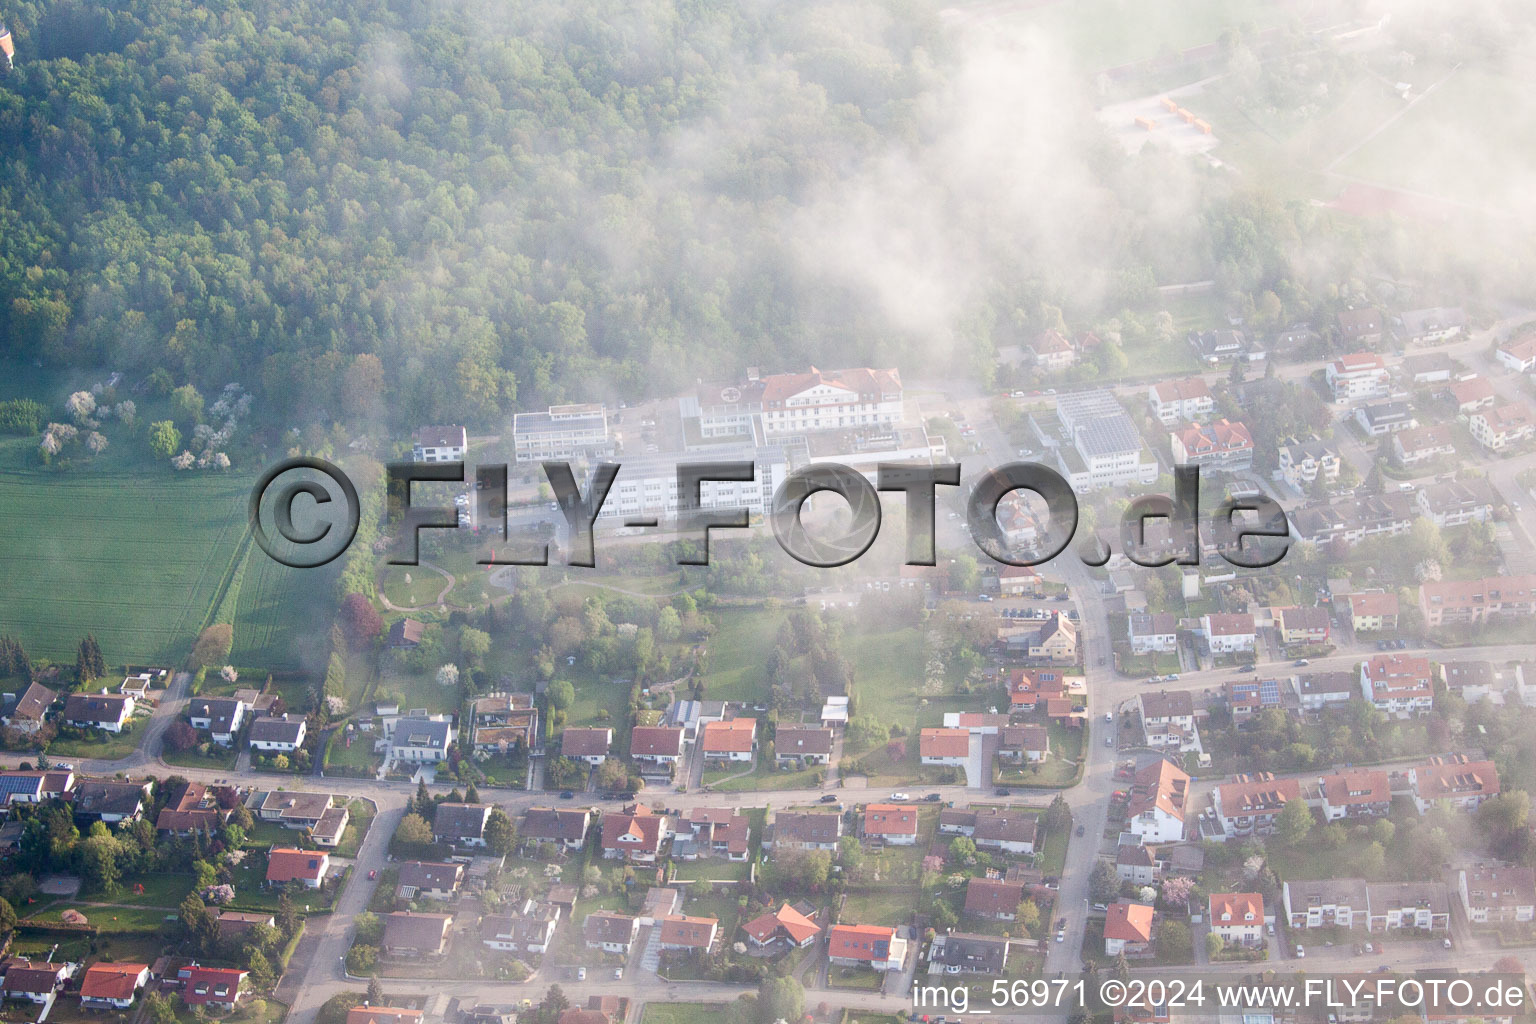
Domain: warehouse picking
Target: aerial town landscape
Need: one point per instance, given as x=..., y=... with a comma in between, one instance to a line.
x=438, y=781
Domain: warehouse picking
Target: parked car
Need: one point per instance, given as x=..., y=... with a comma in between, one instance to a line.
x=1300, y=952
x=1173, y=677
x=373, y=874
x=1446, y=942
x=829, y=798
x=1301, y=662
x=933, y=798
x=1002, y=791
x=1079, y=830
x=1109, y=741
x=581, y=974
x=618, y=974
x=901, y=797
x=567, y=794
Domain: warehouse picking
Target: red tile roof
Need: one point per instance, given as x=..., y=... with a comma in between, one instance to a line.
x=890, y=820
x=733, y=737
x=111, y=981
x=934, y=742
x=1129, y=922
x=285, y=864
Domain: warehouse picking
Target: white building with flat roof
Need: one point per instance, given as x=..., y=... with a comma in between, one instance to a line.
x=561, y=432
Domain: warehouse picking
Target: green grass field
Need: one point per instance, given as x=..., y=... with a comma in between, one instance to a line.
x=683, y=1013
x=738, y=652
x=1108, y=33
x=1467, y=140
x=135, y=559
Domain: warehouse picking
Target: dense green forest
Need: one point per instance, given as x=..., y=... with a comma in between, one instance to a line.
x=379, y=210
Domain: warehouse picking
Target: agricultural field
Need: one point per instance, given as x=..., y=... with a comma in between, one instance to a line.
x=1467, y=139
x=135, y=559
x=1102, y=34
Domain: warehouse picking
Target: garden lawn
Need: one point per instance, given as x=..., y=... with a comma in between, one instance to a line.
x=738, y=653
x=105, y=746
x=360, y=813
x=683, y=1013
x=865, y=979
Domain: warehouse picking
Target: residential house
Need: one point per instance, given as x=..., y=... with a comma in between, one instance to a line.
x=1247, y=697
x=1399, y=684
x=1228, y=632
x=1018, y=581
x=112, y=986
x=460, y=824
x=1457, y=502
x=811, y=830
x=610, y=932
x=1238, y=918
x=1127, y=929
x=286, y=864
x=788, y=925
x=635, y=835
x=233, y=924
x=109, y=801
x=1359, y=326
x=277, y=734
x=1302, y=464
x=35, y=981
x=1324, y=903
x=802, y=744
x=705, y=832
x=1005, y=831
x=405, y=634
x=1373, y=611
x=1051, y=352
x=1518, y=354
x=588, y=745
x=1501, y=426
x=1027, y=687
x=331, y=827
x=1461, y=782
x=1469, y=602
x=34, y=787
x=366, y=1014
x=1215, y=346
x=1355, y=793
x=681, y=932
x=293, y=809
x=422, y=739
x=1359, y=375
x=734, y=740
x=1155, y=811
x=1029, y=743
x=192, y=808
x=1134, y=863
x=1304, y=625
x=221, y=717
x=26, y=715
x=109, y=712
x=218, y=987
x=1497, y=893
x=893, y=823
x=504, y=722
x=1222, y=446
x=408, y=933
x=1422, y=444
x=963, y=953
x=944, y=746
x=1250, y=805
x=1468, y=396
x=866, y=945
x=1056, y=639
x=1384, y=418
x=1157, y=633
x=439, y=444
x=1426, y=326
x=1168, y=720
x=993, y=898
x=428, y=879
x=565, y=828
x=1482, y=680
x=519, y=933
x=1174, y=400
x=656, y=746
x=1391, y=906
x=1318, y=690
